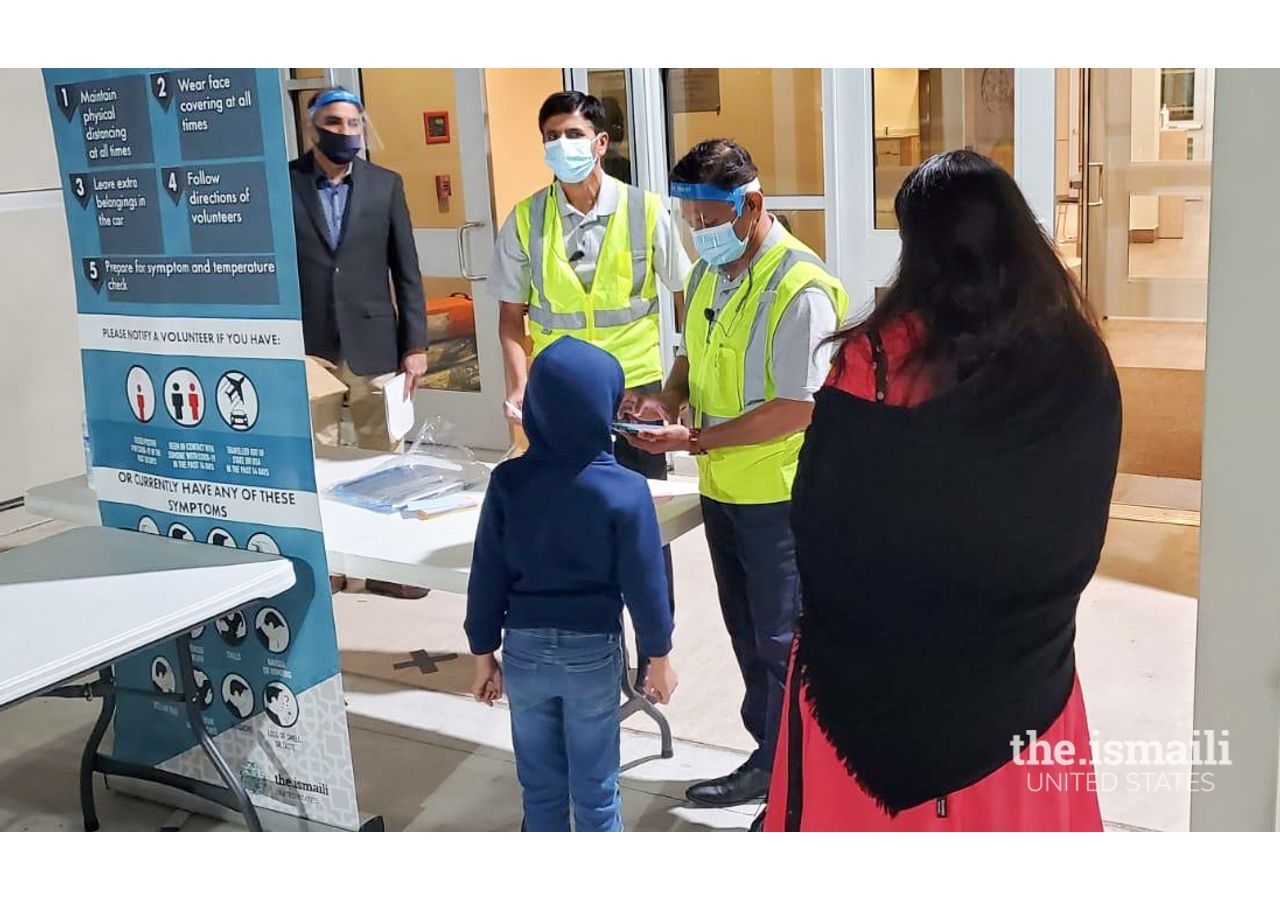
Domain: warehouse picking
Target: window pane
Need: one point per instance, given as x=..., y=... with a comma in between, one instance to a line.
x=918, y=113
x=810, y=225
x=1169, y=237
x=775, y=113
x=1178, y=93
x=396, y=100
x=301, y=116
x=1170, y=115
x=610, y=85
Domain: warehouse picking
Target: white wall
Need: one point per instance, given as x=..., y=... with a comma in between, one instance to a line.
x=1033, y=150
x=41, y=393
x=1238, y=630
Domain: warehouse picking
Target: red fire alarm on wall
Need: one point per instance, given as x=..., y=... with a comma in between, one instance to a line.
x=436, y=124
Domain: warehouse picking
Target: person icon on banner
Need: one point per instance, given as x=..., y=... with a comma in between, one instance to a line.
x=204, y=689
x=162, y=676
x=281, y=705
x=176, y=400
x=238, y=696
x=272, y=630
x=232, y=628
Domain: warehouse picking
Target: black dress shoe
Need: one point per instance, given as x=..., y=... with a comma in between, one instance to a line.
x=742, y=785
x=394, y=589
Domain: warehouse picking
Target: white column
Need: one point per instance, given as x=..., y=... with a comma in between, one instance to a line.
x=1033, y=145
x=1238, y=632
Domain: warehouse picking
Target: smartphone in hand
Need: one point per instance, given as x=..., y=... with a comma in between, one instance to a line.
x=635, y=427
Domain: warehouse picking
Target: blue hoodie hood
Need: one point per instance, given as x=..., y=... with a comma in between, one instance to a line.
x=570, y=402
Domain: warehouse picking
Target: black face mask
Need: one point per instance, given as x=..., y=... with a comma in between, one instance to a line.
x=341, y=148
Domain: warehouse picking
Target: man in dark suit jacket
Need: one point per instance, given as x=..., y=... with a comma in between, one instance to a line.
x=355, y=241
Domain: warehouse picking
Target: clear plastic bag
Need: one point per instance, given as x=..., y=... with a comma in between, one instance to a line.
x=434, y=467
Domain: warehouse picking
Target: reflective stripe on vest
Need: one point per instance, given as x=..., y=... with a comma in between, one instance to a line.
x=638, y=308
x=619, y=313
x=756, y=366
x=729, y=366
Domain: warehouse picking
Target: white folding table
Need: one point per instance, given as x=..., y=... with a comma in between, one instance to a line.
x=433, y=554
x=81, y=600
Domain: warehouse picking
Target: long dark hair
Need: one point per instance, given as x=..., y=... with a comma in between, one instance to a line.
x=976, y=269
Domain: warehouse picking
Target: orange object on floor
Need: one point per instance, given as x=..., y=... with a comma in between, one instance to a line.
x=450, y=317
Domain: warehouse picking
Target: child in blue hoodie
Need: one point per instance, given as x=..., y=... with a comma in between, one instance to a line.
x=566, y=537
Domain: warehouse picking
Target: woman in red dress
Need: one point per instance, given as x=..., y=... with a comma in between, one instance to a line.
x=950, y=506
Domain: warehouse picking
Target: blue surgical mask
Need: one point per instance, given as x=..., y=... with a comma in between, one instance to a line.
x=719, y=245
x=572, y=159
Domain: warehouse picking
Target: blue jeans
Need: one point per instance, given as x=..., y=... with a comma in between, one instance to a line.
x=563, y=689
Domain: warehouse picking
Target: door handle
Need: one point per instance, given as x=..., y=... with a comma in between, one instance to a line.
x=464, y=257
x=1102, y=197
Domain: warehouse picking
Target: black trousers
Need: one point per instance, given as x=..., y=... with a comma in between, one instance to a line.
x=650, y=465
x=753, y=555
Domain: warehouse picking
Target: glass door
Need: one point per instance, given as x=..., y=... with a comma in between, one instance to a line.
x=1150, y=146
x=887, y=121
x=777, y=115
x=1148, y=149
x=428, y=125
x=636, y=154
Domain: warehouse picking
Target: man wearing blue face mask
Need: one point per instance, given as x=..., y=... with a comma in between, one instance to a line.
x=761, y=303
x=583, y=257
x=355, y=241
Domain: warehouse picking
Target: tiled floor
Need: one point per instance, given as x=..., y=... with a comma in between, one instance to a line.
x=428, y=759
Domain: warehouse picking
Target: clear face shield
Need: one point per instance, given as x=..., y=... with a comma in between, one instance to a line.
x=711, y=219
x=340, y=125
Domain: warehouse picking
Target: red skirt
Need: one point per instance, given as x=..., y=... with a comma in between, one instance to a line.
x=1047, y=796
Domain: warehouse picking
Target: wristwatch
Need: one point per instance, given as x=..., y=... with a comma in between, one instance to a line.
x=695, y=442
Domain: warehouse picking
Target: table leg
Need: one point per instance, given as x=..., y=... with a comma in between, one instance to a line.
x=89, y=758
x=638, y=702
x=206, y=740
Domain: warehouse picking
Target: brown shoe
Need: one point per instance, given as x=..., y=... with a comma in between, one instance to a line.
x=391, y=589
x=337, y=584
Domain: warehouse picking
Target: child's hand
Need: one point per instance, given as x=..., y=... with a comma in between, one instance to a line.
x=661, y=681
x=486, y=686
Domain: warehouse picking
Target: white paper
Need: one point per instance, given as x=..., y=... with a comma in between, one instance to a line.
x=399, y=410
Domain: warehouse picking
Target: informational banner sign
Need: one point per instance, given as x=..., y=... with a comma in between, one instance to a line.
x=180, y=213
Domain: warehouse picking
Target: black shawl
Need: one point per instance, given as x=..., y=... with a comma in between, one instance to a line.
x=942, y=551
